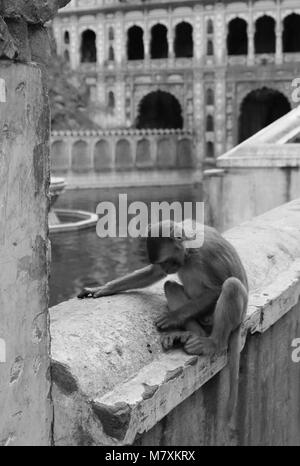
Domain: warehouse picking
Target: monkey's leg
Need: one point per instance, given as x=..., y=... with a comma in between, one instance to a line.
x=229, y=313
x=176, y=298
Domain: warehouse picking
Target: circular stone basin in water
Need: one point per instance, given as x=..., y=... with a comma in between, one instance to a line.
x=64, y=220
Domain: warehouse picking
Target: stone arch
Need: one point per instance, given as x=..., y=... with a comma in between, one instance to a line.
x=159, y=110
x=166, y=153
x=260, y=108
x=102, y=156
x=185, y=158
x=291, y=33
x=183, y=43
x=80, y=157
x=143, y=153
x=159, y=41
x=59, y=156
x=88, y=48
x=265, y=36
x=135, y=43
x=124, y=157
x=237, y=38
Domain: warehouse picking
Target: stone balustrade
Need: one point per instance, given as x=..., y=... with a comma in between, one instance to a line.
x=78, y=154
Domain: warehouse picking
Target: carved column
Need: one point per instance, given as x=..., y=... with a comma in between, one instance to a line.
x=251, y=33
x=57, y=35
x=220, y=112
x=120, y=42
x=199, y=35
x=120, y=100
x=171, y=51
x=101, y=89
x=220, y=35
x=74, y=42
x=279, y=30
x=146, y=38
x=100, y=39
x=199, y=114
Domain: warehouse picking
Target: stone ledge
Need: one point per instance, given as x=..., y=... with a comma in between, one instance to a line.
x=271, y=147
x=112, y=384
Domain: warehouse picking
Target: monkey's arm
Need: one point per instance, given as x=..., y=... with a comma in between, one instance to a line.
x=139, y=279
x=192, y=309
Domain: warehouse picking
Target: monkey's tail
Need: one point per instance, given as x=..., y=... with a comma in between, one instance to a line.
x=234, y=366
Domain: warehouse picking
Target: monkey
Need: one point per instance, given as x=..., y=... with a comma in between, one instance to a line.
x=206, y=308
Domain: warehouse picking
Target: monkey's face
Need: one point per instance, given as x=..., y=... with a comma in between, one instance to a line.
x=169, y=254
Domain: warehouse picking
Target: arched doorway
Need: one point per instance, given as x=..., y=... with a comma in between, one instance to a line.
x=237, y=38
x=135, y=43
x=159, y=110
x=259, y=109
x=159, y=41
x=183, y=44
x=265, y=37
x=88, y=48
x=291, y=34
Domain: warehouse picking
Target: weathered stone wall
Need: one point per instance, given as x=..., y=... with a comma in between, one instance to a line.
x=256, y=176
x=114, y=385
x=25, y=386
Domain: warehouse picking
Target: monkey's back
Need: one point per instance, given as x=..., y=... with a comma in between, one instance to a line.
x=217, y=260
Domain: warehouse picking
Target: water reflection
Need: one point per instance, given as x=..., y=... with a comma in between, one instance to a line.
x=82, y=258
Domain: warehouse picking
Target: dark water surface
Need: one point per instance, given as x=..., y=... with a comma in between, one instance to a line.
x=82, y=258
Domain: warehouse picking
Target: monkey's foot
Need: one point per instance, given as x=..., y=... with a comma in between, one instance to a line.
x=174, y=339
x=200, y=346
x=168, y=320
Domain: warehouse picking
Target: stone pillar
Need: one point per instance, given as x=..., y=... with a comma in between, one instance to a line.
x=199, y=35
x=101, y=89
x=146, y=44
x=199, y=113
x=220, y=113
x=220, y=35
x=171, y=37
x=279, y=30
x=120, y=41
x=147, y=41
x=26, y=413
x=57, y=35
x=25, y=384
x=251, y=33
x=120, y=101
x=100, y=40
x=75, y=42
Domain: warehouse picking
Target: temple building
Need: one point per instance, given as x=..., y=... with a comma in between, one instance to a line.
x=221, y=68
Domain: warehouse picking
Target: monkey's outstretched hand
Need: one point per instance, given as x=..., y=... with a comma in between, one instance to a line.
x=98, y=292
